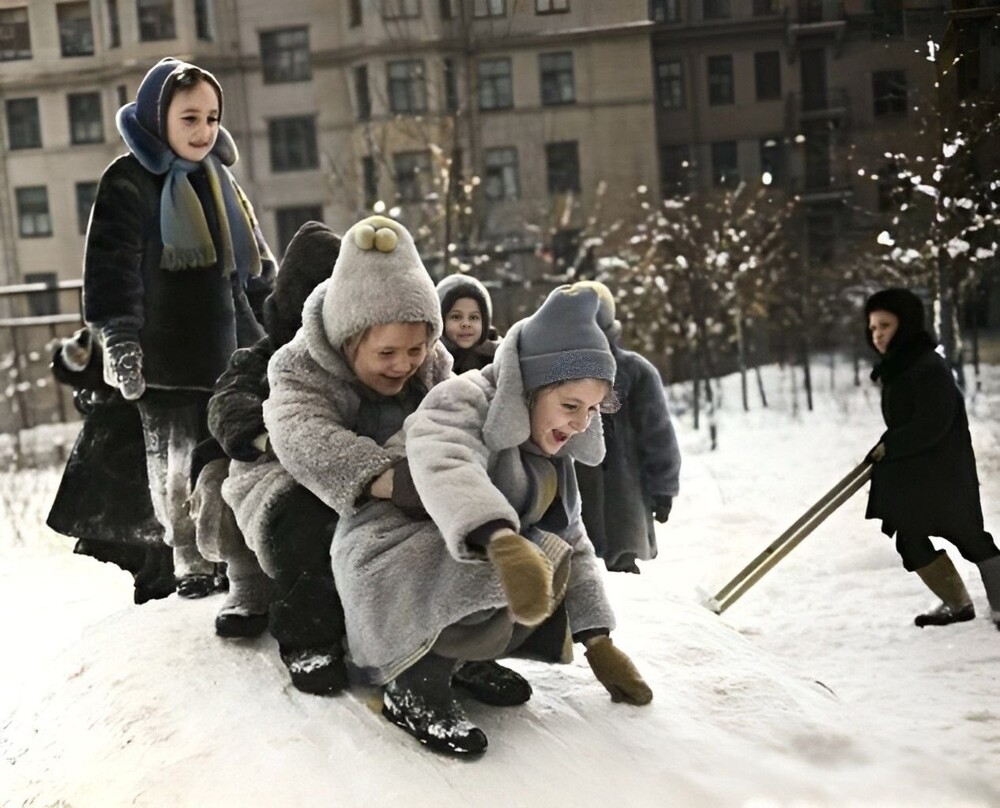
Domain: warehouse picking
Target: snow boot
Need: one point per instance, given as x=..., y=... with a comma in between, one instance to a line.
x=990, y=571
x=245, y=610
x=420, y=702
x=319, y=671
x=156, y=578
x=943, y=580
x=491, y=683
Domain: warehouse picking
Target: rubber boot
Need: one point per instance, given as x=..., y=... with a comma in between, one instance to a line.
x=990, y=570
x=943, y=580
x=420, y=702
x=491, y=683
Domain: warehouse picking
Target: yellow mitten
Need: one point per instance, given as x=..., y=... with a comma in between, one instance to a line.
x=526, y=577
x=616, y=672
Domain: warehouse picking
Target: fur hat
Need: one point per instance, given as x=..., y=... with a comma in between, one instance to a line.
x=143, y=123
x=906, y=306
x=563, y=339
x=378, y=279
x=308, y=260
x=455, y=287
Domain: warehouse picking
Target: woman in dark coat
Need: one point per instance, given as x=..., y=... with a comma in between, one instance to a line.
x=924, y=482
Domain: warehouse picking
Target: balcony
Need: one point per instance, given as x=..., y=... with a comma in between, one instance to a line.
x=822, y=105
x=817, y=19
x=822, y=183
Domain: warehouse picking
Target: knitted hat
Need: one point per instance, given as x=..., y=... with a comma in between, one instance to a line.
x=378, y=279
x=611, y=327
x=563, y=340
x=455, y=287
x=906, y=306
x=308, y=260
x=143, y=123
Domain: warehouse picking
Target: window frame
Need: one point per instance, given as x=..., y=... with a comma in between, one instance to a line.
x=720, y=81
x=83, y=217
x=285, y=62
x=673, y=82
x=35, y=126
x=503, y=96
x=413, y=86
x=551, y=6
x=282, y=138
x=72, y=29
x=38, y=216
x=505, y=174
x=772, y=87
x=729, y=176
x=77, y=103
x=21, y=30
x=161, y=14
x=410, y=185
x=553, y=77
x=562, y=149
x=890, y=104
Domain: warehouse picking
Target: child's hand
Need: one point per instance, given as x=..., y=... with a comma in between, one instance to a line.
x=381, y=487
x=615, y=671
x=526, y=577
x=661, y=507
x=877, y=453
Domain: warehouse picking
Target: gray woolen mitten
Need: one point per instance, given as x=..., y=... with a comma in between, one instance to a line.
x=124, y=362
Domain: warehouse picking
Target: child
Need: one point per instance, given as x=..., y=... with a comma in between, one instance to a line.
x=505, y=567
x=638, y=480
x=366, y=355
x=467, y=311
x=174, y=266
x=924, y=482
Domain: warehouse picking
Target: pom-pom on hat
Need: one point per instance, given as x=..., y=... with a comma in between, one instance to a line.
x=563, y=340
x=378, y=279
x=455, y=287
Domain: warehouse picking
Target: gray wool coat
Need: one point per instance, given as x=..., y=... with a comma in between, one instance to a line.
x=642, y=461
x=402, y=581
x=311, y=415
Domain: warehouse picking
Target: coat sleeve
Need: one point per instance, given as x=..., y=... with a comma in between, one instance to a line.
x=116, y=239
x=449, y=463
x=660, y=457
x=935, y=402
x=236, y=410
x=308, y=416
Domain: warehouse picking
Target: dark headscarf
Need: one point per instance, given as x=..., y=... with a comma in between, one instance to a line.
x=911, y=338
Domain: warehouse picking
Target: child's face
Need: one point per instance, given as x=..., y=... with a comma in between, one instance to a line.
x=389, y=355
x=883, y=326
x=463, y=324
x=193, y=121
x=561, y=412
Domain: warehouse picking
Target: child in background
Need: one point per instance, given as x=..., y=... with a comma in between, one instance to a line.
x=639, y=478
x=467, y=311
x=175, y=266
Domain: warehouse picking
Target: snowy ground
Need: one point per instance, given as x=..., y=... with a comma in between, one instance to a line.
x=815, y=689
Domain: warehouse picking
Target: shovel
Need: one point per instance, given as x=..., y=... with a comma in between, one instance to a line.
x=795, y=533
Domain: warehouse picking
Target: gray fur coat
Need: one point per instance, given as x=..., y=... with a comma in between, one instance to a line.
x=311, y=415
x=403, y=581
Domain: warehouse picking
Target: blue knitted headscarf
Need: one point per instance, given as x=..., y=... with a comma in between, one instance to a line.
x=187, y=240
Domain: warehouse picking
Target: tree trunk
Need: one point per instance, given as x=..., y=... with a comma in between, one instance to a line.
x=741, y=360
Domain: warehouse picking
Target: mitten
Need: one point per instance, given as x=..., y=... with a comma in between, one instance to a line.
x=661, y=507
x=616, y=672
x=877, y=453
x=124, y=360
x=525, y=575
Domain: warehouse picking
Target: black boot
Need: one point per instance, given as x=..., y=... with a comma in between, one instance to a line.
x=943, y=580
x=990, y=571
x=156, y=578
x=319, y=671
x=420, y=702
x=491, y=683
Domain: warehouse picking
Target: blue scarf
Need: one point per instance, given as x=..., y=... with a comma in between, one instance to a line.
x=187, y=240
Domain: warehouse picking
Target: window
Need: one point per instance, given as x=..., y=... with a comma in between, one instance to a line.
x=369, y=174
x=725, y=164
x=24, y=127
x=450, y=85
x=156, y=20
x=290, y=219
x=285, y=54
x=720, y=80
x=889, y=91
x=122, y=95
x=494, y=84
x=41, y=304
x=670, y=84
x=76, y=33
x=557, y=78
x=551, y=6
x=355, y=16
x=562, y=162
x=767, y=74
x=400, y=9
x=114, y=25
x=716, y=9
x=448, y=9
x=675, y=170
x=821, y=230
x=203, y=23
x=407, y=93
x=772, y=160
x=86, y=193
x=664, y=10
x=15, y=34
x=489, y=8
x=762, y=8
x=500, y=169
x=413, y=170
x=362, y=97
x=293, y=143
x=85, y=124
x=33, y=219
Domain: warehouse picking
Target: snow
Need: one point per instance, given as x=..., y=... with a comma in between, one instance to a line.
x=814, y=689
